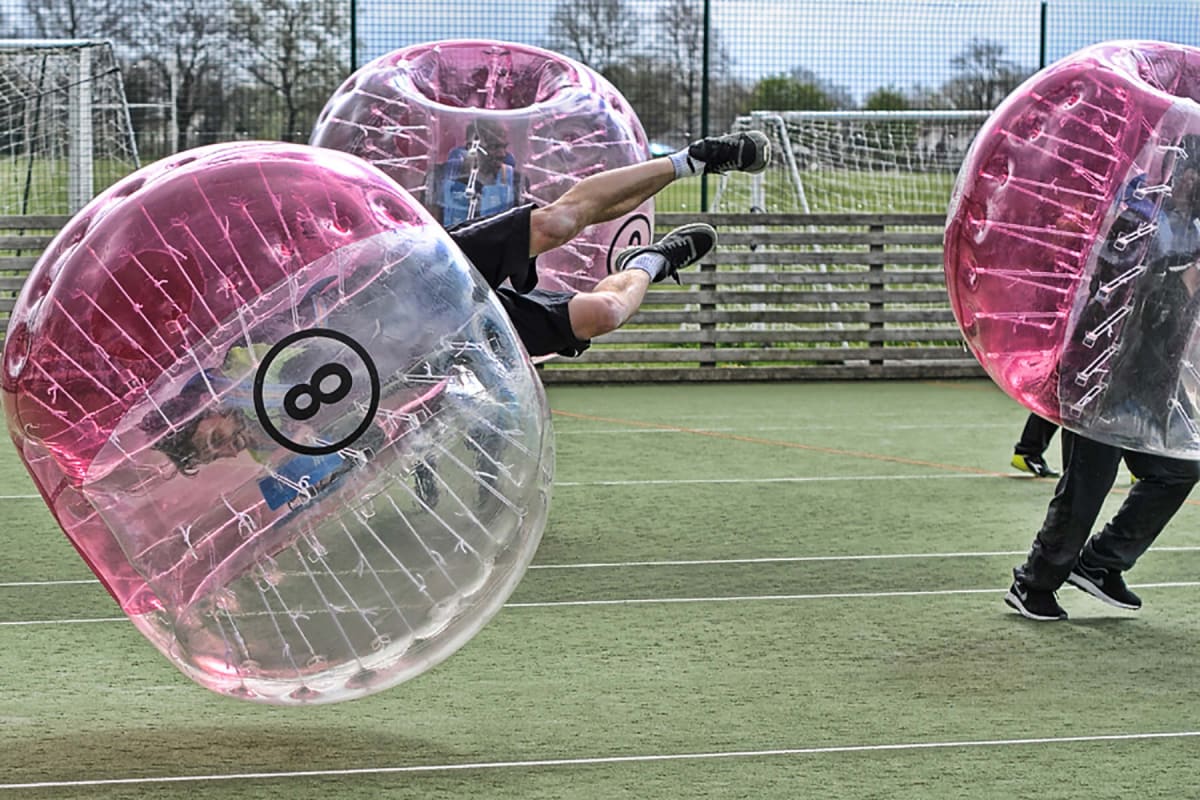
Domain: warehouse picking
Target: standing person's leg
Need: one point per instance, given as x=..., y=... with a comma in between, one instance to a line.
x=1152, y=502
x=1029, y=452
x=1089, y=469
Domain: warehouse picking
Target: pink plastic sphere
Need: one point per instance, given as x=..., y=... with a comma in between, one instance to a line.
x=1072, y=245
x=281, y=419
x=474, y=127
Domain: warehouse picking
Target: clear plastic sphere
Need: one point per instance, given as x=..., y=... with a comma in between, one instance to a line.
x=1072, y=246
x=282, y=420
x=472, y=127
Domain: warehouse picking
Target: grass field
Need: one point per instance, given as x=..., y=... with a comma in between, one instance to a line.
x=744, y=591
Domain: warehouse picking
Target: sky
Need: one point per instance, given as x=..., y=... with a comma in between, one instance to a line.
x=857, y=45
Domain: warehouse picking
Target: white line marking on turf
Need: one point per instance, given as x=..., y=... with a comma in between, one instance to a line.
x=604, y=760
x=819, y=479
x=836, y=478
x=642, y=601
x=744, y=431
x=805, y=559
x=828, y=596
x=707, y=562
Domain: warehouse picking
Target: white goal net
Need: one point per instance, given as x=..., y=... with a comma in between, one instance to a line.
x=65, y=131
x=853, y=161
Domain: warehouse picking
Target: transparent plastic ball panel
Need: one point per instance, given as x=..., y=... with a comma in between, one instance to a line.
x=318, y=467
x=472, y=128
x=1072, y=244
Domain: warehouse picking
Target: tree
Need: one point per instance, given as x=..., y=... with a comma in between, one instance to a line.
x=647, y=84
x=299, y=52
x=886, y=100
x=599, y=33
x=784, y=93
x=185, y=52
x=984, y=76
x=82, y=19
x=680, y=26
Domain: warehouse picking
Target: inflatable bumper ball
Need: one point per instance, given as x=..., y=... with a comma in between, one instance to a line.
x=472, y=128
x=282, y=421
x=1072, y=250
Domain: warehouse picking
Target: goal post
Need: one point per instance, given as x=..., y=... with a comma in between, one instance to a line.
x=65, y=129
x=853, y=161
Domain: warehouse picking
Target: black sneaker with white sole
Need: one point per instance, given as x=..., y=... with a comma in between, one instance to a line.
x=1038, y=604
x=681, y=248
x=1104, y=584
x=742, y=152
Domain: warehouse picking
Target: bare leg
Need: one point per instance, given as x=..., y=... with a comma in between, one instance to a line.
x=609, y=305
x=598, y=198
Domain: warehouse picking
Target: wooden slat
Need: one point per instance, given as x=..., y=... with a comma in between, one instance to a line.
x=21, y=264
x=788, y=335
x=793, y=297
x=863, y=275
x=557, y=371
x=33, y=222
x=674, y=219
x=793, y=238
x=778, y=277
x=758, y=355
x=786, y=258
x=768, y=316
x=32, y=242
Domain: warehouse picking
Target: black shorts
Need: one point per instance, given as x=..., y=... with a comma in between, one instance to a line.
x=498, y=247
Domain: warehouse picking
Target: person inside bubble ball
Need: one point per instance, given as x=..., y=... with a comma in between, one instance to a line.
x=1165, y=309
x=503, y=249
x=479, y=178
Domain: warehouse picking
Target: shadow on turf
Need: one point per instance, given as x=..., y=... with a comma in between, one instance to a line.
x=238, y=748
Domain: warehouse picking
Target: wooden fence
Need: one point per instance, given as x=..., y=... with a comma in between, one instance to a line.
x=785, y=296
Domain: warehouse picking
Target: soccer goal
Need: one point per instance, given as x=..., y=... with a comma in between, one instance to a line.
x=853, y=161
x=65, y=131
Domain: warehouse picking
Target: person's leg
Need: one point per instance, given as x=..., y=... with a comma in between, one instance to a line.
x=1151, y=503
x=1035, y=436
x=612, y=301
x=613, y=193
x=597, y=198
x=1035, y=440
x=1089, y=469
x=1162, y=487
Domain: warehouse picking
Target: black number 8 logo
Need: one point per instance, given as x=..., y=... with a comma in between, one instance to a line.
x=303, y=401
x=314, y=394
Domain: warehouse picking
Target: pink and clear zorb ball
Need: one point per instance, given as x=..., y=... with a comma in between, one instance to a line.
x=271, y=405
x=1072, y=249
x=473, y=128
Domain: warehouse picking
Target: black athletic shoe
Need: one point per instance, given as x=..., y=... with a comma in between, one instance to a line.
x=1034, y=465
x=1104, y=584
x=1038, y=604
x=743, y=152
x=681, y=248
